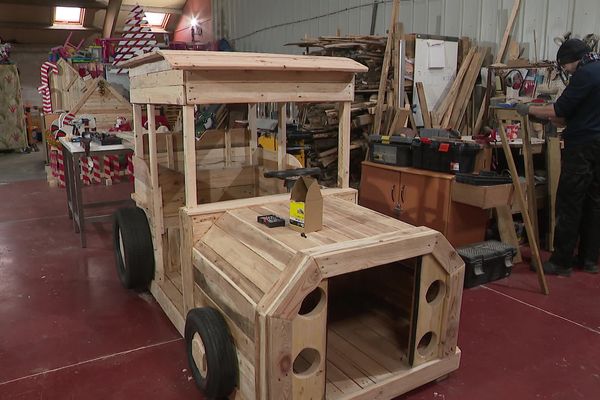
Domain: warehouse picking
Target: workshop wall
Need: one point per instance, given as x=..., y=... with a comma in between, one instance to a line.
x=28, y=61
x=201, y=10
x=266, y=25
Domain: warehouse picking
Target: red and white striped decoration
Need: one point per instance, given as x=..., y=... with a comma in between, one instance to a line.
x=130, y=167
x=44, y=89
x=61, y=169
x=107, y=168
x=116, y=169
x=97, y=178
x=85, y=171
x=138, y=39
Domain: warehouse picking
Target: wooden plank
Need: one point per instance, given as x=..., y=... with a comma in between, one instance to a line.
x=423, y=105
x=340, y=380
x=247, y=286
x=226, y=77
x=523, y=205
x=385, y=69
x=246, y=261
x=453, y=92
x=253, y=133
x=187, y=268
x=281, y=136
x=342, y=258
x=225, y=293
x=466, y=89
x=506, y=228
x=261, y=242
x=407, y=380
x=343, y=179
x=189, y=129
x=211, y=60
x=172, y=312
x=159, y=95
x=163, y=78
x=530, y=176
x=254, y=92
x=499, y=56
x=553, y=158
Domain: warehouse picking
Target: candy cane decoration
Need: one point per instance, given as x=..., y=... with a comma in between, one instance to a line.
x=85, y=171
x=61, y=170
x=44, y=89
x=97, y=177
x=138, y=39
x=130, y=167
x=116, y=169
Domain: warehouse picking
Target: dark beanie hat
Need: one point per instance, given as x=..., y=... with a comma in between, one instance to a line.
x=571, y=50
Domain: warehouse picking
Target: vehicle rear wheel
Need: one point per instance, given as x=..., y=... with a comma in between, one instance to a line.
x=134, y=253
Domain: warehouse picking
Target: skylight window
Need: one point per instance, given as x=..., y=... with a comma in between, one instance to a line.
x=157, y=20
x=68, y=16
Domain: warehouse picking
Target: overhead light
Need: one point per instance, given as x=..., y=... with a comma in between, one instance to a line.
x=194, y=22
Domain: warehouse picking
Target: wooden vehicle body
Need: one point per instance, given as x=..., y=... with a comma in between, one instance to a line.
x=368, y=307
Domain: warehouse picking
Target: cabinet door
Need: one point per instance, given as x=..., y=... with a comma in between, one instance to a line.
x=424, y=200
x=379, y=189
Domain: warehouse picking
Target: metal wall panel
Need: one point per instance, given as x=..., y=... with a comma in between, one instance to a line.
x=266, y=25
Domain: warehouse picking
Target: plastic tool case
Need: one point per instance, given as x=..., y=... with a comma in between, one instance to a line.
x=391, y=150
x=486, y=262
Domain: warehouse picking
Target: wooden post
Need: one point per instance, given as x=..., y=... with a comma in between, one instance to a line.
x=506, y=228
x=423, y=105
x=282, y=138
x=157, y=210
x=553, y=168
x=535, y=250
x=499, y=56
x=253, y=133
x=151, y=113
x=169, y=148
x=530, y=176
x=189, y=156
x=385, y=69
x=138, y=132
x=343, y=180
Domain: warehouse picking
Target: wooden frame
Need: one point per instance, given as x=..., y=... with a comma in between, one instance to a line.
x=217, y=255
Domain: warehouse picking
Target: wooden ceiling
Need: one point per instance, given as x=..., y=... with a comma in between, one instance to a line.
x=29, y=22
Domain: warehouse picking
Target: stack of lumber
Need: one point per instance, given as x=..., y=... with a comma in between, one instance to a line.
x=450, y=113
x=367, y=50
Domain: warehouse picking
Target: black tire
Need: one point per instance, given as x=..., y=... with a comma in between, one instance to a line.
x=221, y=375
x=134, y=253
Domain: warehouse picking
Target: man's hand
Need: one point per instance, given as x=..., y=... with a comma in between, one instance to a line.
x=523, y=109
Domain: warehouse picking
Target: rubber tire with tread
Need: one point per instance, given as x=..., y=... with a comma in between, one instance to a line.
x=221, y=357
x=138, y=270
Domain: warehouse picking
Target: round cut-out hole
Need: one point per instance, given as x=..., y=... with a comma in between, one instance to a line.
x=426, y=343
x=435, y=291
x=307, y=362
x=312, y=302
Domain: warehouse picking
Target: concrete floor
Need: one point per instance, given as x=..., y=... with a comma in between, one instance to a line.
x=16, y=166
x=69, y=331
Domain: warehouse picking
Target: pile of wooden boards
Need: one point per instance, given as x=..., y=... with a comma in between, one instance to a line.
x=367, y=50
x=451, y=112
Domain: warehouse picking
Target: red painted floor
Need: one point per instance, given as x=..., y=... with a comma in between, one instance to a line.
x=69, y=331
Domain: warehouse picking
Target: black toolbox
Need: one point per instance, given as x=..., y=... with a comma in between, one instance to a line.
x=447, y=155
x=391, y=150
x=486, y=262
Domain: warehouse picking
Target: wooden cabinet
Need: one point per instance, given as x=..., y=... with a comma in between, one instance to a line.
x=421, y=198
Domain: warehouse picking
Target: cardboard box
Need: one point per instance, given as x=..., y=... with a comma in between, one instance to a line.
x=306, y=206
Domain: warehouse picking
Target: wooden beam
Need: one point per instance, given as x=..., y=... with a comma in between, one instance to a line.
x=44, y=26
x=423, y=105
x=498, y=59
x=252, y=126
x=381, y=98
x=165, y=10
x=189, y=155
x=343, y=180
x=58, y=3
x=524, y=211
x=282, y=137
x=553, y=168
x=138, y=131
x=110, y=19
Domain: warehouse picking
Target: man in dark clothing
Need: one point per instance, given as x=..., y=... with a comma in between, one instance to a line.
x=578, y=196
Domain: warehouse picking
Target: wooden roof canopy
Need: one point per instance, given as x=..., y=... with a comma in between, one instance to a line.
x=201, y=77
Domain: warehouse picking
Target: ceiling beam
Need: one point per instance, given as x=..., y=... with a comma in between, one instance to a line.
x=110, y=19
x=165, y=10
x=42, y=26
x=58, y=3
